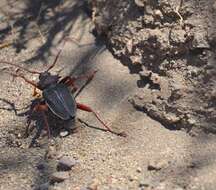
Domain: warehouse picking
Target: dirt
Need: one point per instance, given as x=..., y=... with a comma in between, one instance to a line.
x=173, y=43
x=152, y=89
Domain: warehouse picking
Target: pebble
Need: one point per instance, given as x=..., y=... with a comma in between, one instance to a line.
x=64, y=133
x=59, y=176
x=41, y=166
x=140, y=3
x=139, y=170
x=132, y=178
x=157, y=165
x=93, y=185
x=144, y=183
x=66, y=163
x=178, y=188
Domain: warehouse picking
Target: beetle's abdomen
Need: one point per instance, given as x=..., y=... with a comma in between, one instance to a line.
x=60, y=101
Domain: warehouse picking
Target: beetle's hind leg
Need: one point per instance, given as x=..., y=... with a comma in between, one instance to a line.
x=37, y=135
x=70, y=81
x=88, y=109
x=42, y=108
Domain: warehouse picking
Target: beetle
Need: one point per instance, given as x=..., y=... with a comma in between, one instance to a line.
x=56, y=95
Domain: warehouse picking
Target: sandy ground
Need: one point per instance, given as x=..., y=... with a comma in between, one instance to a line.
x=109, y=161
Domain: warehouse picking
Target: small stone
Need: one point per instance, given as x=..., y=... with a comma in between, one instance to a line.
x=144, y=183
x=178, y=188
x=132, y=178
x=19, y=136
x=59, y=176
x=200, y=40
x=139, y=170
x=158, y=14
x=64, y=133
x=41, y=166
x=129, y=46
x=93, y=185
x=161, y=186
x=44, y=186
x=157, y=165
x=191, y=121
x=66, y=163
x=140, y=3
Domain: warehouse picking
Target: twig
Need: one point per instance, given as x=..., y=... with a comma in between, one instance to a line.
x=5, y=44
x=177, y=9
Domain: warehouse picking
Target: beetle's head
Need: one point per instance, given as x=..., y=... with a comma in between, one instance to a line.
x=46, y=79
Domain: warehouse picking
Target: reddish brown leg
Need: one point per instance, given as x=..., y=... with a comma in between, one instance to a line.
x=40, y=108
x=88, y=109
x=46, y=124
x=69, y=82
x=88, y=76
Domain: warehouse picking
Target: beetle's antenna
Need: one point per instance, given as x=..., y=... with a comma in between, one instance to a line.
x=12, y=64
x=59, y=52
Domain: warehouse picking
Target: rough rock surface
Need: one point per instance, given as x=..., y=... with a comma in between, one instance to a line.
x=173, y=42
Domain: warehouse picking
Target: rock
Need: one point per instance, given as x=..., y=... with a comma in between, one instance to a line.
x=200, y=40
x=140, y=3
x=44, y=186
x=139, y=170
x=64, y=133
x=179, y=188
x=66, y=163
x=158, y=14
x=145, y=182
x=161, y=186
x=93, y=185
x=59, y=176
x=157, y=165
x=132, y=178
x=41, y=166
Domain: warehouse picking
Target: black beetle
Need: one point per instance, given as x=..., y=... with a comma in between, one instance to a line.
x=56, y=95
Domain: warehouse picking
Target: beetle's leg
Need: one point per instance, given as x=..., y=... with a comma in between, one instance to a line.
x=36, y=136
x=69, y=82
x=88, y=76
x=46, y=124
x=43, y=108
x=88, y=109
x=29, y=120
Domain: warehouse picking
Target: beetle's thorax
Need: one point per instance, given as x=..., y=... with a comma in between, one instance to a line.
x=46, y=80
